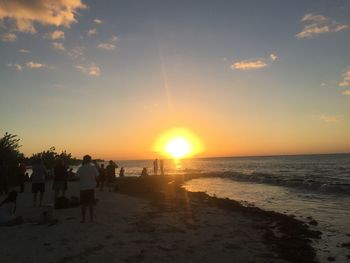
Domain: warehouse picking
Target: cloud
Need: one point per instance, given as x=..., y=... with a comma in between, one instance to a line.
x=23, y=51
x=92, y=32
x=273, y=57
x=35, y=65
x=8, y=37
x=18, y=67
x=46, y=12
x=110, y=45
x=318, y=24
x=77, y=53
x=254, y=63
x=330, y=118
x=346, y=92
x=57, y=34
x=91, y=70
x=346, y=78
x=58, y=46
x=98, y=21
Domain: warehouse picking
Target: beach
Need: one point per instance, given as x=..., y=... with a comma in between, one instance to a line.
x=154, y=220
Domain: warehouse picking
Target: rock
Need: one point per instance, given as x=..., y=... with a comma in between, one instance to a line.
x=346, y=245
x=313, y=222
x=331, y=259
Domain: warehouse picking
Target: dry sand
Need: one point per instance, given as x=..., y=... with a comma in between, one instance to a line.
x=169, y=226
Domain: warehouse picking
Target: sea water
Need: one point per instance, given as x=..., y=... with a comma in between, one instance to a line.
x=305, y=186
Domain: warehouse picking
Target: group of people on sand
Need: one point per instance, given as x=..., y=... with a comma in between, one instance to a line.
x=90, y=174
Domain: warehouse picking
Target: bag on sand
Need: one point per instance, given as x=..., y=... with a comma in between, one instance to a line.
x=61, y=202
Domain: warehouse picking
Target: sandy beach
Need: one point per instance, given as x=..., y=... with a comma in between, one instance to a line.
x=153, y=220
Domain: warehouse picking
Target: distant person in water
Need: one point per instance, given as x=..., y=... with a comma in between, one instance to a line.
x=60, y=179
x=102, y=175
x=122, y=172
x=155, y=167
x=161, y=164
x=88, y=175
x=21, y=170
x=8, y=211
x=144, y=172
x=110, y=170
x=38, y=181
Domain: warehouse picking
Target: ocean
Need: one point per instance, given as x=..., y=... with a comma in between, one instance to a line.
x=305, y=186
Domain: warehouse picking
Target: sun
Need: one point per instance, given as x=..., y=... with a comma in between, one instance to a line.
x=178, y=143
x=178, y=147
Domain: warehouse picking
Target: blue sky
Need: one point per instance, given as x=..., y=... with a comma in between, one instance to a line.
x=107, y=77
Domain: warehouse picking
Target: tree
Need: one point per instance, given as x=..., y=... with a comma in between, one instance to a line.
x=10, y=154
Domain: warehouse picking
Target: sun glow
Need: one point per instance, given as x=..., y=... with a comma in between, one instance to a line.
x=178, y=143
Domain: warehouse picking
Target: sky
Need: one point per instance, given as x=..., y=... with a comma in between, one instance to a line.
x=109, y=77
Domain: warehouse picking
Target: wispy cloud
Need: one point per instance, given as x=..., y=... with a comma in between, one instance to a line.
x=98, y=21
x=330, y=118
x=91, y=70
x=77, y=53
x=346, y=92
x=16, y=66
x=318, y=24
x=46, y=12
x=58, y=46
x=92, y=32
x=346, y=78
x=8, y=37
x=57, y=34
x=254, y=63
x=35, y=65
x=109, y=45
x=23, y=51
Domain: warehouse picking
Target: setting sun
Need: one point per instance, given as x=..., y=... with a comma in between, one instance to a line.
x=178, y=143
x=178, y=147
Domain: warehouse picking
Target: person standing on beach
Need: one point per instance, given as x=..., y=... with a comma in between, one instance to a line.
x=21, y=175
x=4, y=178
x=161, y=164
x=88, y=175
x=60, y=179
x=38, y=181
x=110, y=170
x=102, y=172
x=155, y=167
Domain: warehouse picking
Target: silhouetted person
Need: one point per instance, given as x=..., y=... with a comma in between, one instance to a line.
x=161, y=164
x=38, y=181
x=71, y=174
x=144, y=172
x=60, y=179
x=87, y=174
x=4, y=170
x=122, y=172
x=8, y=210
x=98, y=177
x=155, y=167
x=21, y=170
x=102, y=175
x=110, y=170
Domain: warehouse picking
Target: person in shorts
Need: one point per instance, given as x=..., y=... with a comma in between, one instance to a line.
x=38, y=181
x=88, y=175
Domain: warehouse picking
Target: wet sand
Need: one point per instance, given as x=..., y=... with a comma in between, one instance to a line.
x=155, y=220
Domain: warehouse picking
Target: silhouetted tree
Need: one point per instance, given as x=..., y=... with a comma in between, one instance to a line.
x=10, y=154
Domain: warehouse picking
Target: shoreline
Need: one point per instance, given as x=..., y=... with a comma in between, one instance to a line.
x=287, y=236
x=153, y=219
